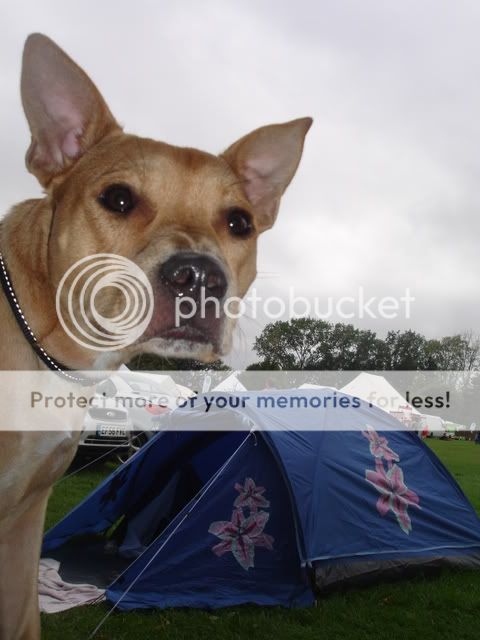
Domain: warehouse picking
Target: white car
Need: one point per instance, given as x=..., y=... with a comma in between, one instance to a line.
x=126, y=411
x=107, y=430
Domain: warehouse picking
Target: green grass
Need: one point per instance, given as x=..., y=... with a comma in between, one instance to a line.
x=463, y=461
x=444, y=607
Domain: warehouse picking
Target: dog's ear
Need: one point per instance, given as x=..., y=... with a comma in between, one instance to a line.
x=64, y=109
x=266, y=160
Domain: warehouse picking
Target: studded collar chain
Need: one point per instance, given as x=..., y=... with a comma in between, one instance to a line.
x=49, y=361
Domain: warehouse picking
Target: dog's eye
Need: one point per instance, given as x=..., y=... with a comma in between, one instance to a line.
x=239, y=222
x=118, y=198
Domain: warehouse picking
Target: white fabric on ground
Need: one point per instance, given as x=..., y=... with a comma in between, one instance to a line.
x=56, y=595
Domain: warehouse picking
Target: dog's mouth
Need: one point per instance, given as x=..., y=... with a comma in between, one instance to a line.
x=187, y=333
x=188, y=319
x=189, y=338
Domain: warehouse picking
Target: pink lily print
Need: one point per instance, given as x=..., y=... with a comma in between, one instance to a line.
x=379, y=446
x=394, y=493
x=241, y=535
x=251, y=496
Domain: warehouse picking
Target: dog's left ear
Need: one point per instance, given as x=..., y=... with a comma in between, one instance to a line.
x=65, y=111
x=266, y=161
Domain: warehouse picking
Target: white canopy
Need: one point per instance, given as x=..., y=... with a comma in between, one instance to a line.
x=231, y=383
x=307, y=385
x=379, y=392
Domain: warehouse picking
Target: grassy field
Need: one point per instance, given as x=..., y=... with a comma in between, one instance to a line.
x=444, y=607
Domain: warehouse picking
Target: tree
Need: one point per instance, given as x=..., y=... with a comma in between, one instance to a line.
x=264, y=365
x=310, y=344
x=151, y=362
x=447, y=354
x=407, y=351
x=470, y=358
x=354, y=349
x=296, y=344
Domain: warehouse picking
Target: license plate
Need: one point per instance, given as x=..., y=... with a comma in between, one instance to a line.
x=111, y=430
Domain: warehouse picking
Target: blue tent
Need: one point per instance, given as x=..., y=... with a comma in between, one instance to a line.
x=263, y=514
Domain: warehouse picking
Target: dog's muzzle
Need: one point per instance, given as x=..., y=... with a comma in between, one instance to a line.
x=186, y=274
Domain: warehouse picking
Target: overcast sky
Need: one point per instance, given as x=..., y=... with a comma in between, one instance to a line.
x=387, y=195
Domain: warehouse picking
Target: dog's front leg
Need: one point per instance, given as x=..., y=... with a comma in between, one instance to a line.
x=19, y=558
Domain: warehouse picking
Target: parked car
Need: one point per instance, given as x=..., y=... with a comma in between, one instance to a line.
x=126, y=412
x=106, y=430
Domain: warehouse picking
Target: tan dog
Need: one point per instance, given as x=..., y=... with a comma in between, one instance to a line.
x=188, y=219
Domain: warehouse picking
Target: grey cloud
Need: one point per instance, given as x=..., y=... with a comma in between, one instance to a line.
x=387, y=192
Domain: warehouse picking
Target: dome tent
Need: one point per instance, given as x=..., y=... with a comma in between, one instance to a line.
x=267, y=516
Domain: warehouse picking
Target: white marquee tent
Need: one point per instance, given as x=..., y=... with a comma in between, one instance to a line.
x=376, y=390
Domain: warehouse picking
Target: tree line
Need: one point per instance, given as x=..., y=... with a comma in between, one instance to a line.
x=313, y=344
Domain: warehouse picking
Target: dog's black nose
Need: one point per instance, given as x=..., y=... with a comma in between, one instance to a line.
x=187, y=273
